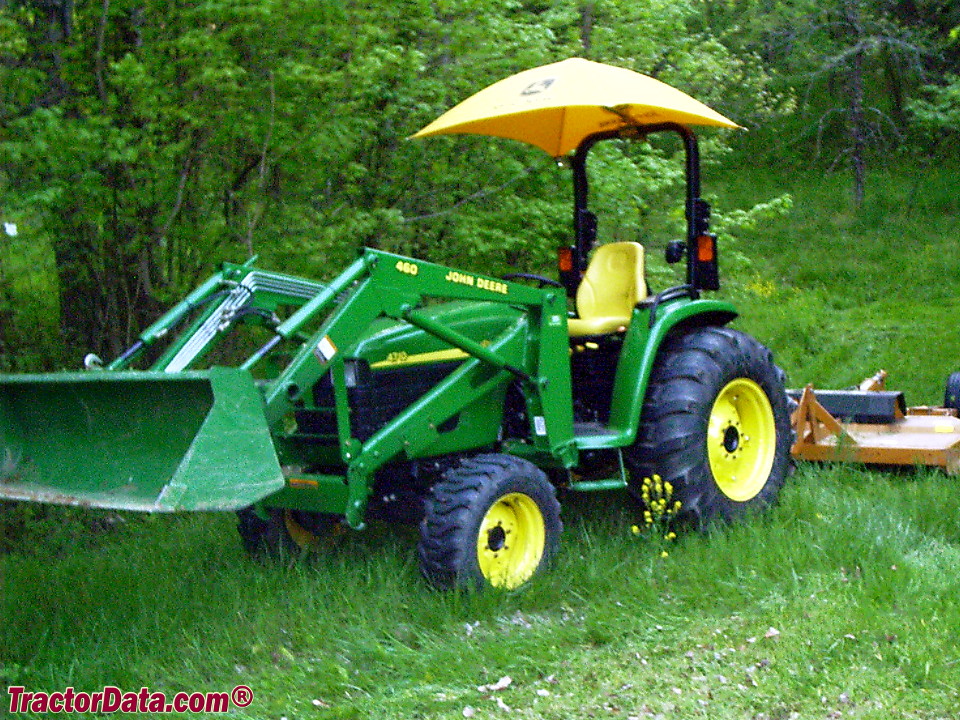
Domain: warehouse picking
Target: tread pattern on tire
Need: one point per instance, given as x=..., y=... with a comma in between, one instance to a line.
x=457, y=504
x=690, y=370
x=270, y=539
x=263, y=539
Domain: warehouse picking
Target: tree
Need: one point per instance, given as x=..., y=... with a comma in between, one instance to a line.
x=158, y=138
x=864, y=35
x=856, y=60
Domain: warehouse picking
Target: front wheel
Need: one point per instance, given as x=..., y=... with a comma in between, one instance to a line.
x=714, y=424
x=283, y=534
x=493, y=520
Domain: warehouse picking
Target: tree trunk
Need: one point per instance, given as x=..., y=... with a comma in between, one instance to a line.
x=586, y=28
x=857, y=128
x=856, y=121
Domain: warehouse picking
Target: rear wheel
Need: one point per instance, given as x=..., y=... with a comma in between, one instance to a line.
x=714, y=424
x=494, y=520
x=951, y=395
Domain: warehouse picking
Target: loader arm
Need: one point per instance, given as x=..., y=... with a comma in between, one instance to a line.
x=533, y=348
x=221, y=300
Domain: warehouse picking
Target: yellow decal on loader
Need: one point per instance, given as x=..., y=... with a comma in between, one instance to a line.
x=474, y=281
x=302, y=482
x=401, y=358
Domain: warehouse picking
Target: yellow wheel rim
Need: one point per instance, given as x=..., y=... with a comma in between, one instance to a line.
x=303, y=538
x=741, y=439
x=511, y=540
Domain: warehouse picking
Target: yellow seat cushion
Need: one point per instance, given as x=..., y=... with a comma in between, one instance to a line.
x=610, y=288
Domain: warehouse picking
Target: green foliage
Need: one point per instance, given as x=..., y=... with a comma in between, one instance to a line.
x=157, y=139
x=850, y=66
x=29, y=299
x=838, y=294
x=937, y=112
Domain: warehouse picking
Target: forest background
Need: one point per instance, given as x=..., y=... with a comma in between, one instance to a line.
x=144, y=141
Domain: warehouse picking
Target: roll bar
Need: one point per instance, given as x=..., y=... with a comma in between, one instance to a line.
x=700, y=274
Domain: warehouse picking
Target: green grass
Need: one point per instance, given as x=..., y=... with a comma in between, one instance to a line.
x=856, y=571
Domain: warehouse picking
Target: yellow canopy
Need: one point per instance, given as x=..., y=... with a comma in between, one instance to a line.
x=556, y=106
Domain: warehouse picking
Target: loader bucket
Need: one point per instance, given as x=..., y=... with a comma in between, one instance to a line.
x=147, y=441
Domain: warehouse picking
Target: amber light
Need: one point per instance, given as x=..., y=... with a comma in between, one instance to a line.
x=705, y=250
x=565, y=259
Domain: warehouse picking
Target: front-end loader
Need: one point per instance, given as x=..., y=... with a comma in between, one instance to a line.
x=410, y=391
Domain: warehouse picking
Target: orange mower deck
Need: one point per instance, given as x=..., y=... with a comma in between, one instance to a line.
x=872, y=425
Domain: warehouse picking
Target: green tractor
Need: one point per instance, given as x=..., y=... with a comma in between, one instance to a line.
x=414, y=392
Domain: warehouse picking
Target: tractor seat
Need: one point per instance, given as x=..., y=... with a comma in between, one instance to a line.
x=610, y=288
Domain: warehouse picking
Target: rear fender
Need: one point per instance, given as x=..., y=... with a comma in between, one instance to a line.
x=640, y=350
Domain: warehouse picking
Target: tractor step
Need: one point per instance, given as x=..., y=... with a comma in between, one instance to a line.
x=589, y=429
x=596, y=436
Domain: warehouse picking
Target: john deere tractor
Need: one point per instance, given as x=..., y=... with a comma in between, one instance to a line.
x=409, y=391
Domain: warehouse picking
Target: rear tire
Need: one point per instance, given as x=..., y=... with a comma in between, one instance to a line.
x=492, y=521
x=714, y=424
x=951, y=395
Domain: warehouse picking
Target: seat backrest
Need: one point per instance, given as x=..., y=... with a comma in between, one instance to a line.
x=613, y=283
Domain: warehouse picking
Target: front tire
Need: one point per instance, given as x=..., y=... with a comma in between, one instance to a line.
x=285, y=535
x=714, y=424
x=493, y=520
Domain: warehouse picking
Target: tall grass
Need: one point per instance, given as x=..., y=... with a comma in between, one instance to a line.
x=842, y=601
x=846, y=597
